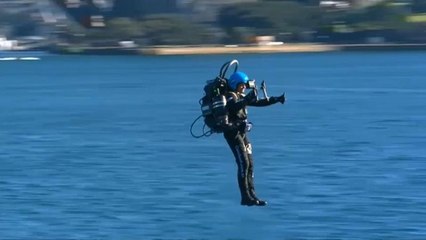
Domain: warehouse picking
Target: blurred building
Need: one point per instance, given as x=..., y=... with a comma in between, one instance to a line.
x=87, y=13
x=16, y=5
x=6, y=44
x=335, y=4
x=141, y=8
x=94, y=13
x=364, y=3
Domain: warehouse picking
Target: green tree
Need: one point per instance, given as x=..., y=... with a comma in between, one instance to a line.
x=379, y=16
x=419, y=6
x=128, y=8
x=173, y=30
x=124, y=28
x=272, y=18
x=304, y=2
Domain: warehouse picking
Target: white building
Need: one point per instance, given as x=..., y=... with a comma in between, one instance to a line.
x=335, y=4
x=8, y=44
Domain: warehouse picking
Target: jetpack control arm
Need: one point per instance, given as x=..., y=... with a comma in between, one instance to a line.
x=263, y=88
x=272, y=100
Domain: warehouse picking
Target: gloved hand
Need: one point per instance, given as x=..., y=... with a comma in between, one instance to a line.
x=251, y=96
x=274, y=100
x=249, y=125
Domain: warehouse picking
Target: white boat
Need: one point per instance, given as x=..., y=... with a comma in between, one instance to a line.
x=29, y=58
x=8, y=59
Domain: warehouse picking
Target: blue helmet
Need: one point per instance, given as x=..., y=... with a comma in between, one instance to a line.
x=237, y=78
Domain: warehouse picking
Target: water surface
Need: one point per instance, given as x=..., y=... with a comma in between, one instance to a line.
x=98, y=147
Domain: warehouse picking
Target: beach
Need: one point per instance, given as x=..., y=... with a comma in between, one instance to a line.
x=234, y=49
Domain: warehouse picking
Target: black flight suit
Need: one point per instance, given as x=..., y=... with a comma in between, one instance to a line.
x=236, y=136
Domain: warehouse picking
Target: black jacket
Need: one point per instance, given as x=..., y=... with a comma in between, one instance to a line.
x=237, y=107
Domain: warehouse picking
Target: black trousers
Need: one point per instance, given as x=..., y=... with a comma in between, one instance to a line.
x=241, y=148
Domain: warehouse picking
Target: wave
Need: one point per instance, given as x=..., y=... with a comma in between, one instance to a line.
x=20, y=58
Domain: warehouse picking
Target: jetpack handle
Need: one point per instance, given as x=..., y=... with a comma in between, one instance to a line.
x=225, y=67
x=265, y=93
x=263, y=88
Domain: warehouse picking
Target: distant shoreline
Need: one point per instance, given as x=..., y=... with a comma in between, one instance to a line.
x=285, y=48
x=235, y=49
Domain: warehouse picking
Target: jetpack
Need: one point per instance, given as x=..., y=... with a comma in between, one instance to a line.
x=213, y=103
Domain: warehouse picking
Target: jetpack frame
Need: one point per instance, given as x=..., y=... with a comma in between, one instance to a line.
x=217, y=86
x=225, y=67
x=216, y=89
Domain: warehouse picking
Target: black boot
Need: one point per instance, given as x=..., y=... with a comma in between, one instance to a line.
x=252, y=194
x=261, y=202
x=246, y=198
x=252, y=199
x=250, y=182
x=249, y=202
x=253, y=202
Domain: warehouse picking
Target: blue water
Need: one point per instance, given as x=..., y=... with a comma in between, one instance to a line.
x=98, y=147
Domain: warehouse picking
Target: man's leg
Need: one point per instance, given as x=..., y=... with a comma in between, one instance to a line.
x=236, y=143
x=250, y=171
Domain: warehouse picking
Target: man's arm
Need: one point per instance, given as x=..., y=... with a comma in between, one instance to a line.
x=252, y=100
